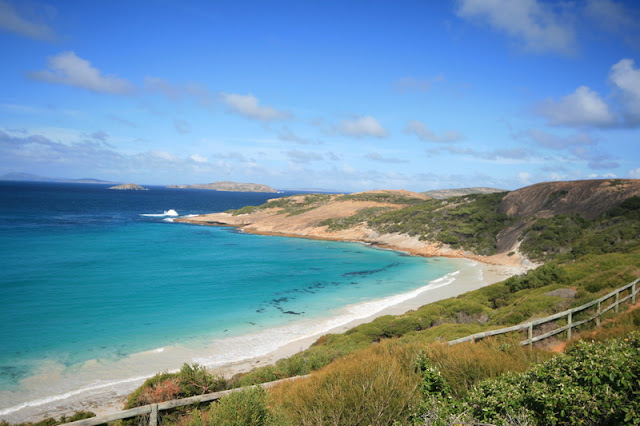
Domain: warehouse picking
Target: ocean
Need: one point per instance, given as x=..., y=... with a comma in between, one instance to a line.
x=99, y=289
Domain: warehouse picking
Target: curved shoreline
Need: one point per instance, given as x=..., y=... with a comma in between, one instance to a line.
x=395, y=242
x=470, y=276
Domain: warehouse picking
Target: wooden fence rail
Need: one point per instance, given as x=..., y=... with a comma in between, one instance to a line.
x=569, y=314
x=153, y=410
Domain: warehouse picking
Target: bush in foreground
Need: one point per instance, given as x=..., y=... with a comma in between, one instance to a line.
x=593, y=383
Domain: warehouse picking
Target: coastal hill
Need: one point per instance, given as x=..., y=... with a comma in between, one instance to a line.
x=228, y=186
x=507, y=228
x=442, y=194
x=312, y=215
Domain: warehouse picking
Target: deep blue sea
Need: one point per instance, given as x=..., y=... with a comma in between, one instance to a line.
x=96, y=282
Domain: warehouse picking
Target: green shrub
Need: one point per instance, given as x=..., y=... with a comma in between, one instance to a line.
x=594, y=381
x=247, y=407
x=544, y=275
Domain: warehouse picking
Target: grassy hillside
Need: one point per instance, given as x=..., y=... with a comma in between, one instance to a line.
x=470, y=222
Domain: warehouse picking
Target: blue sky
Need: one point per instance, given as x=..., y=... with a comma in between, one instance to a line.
x=334, y=95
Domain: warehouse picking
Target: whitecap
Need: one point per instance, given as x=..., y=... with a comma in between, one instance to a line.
x=170, y=212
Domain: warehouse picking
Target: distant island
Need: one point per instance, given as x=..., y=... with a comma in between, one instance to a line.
x=228, y=186
x=129, y=187
x=28, y=177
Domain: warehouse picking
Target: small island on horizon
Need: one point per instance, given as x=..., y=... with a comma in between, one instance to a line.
x=129, y=187
x=228, y=186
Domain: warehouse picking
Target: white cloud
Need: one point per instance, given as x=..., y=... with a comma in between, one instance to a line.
x=11, y=21
x=537, y=25
x=298, y=156
x=160, y=85
x=198, y=158
x=375, y=156
x=69, y=69
x=584, y=107
x=362, y=126
x=635, y=174
x=287, y=135
x=248, y=106
x=548, y=140
x=524, y=178
x=165, y=156
x=626, y=79
x=424, y=133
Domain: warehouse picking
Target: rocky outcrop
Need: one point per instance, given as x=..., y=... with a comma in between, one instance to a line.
x=588, y=198
x=128, y=187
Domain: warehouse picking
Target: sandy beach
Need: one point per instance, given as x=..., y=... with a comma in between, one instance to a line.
x=104, y=398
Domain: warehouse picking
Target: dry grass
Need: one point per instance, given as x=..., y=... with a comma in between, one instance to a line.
x=373, y=387
x=465, y=364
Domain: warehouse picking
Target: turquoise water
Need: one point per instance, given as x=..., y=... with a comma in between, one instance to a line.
x=85, y=276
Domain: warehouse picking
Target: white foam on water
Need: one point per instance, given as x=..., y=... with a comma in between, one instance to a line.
x=170, y=212
x=66, y=395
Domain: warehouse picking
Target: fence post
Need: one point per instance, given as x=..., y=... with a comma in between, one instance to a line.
x=530, y=334
x=153, y=416
x=633, y=293
x=569, y=322
x=617, y=302
x=598, y=316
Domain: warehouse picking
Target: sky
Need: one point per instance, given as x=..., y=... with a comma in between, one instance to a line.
x=321, y=95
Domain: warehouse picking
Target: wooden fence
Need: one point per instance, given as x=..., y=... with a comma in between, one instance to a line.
x=633, y=288
x=153, y=410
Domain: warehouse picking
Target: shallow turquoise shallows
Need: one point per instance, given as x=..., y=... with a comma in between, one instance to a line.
x=89, y=273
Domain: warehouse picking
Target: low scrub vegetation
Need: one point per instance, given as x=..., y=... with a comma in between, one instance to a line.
x=189, y=381
x=492, y=382
x=288, y=205
x=471, y=222
x=567, y=237
x=593, y=383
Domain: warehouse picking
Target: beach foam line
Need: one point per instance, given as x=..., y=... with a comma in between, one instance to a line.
x=53, y=398
x=245, y=347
